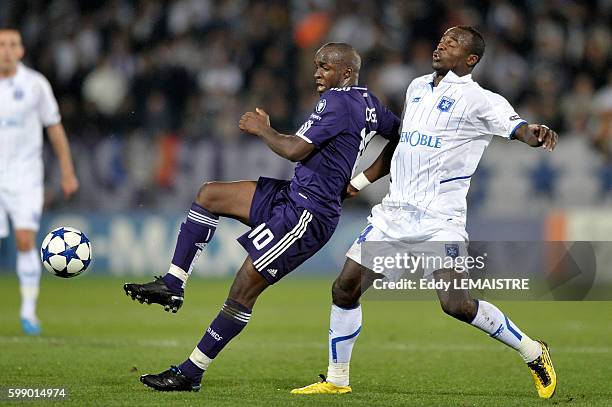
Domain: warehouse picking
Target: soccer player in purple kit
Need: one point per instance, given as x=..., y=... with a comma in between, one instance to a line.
x=290, y=220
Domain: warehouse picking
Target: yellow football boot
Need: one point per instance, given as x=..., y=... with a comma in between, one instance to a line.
x=322, y=387
x=543, y=373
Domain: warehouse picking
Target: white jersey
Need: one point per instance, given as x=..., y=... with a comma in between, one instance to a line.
x=445, y=130
x=26, y=105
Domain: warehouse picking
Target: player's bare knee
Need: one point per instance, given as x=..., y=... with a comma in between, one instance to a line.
x=25, y=246
x=463, y=310
x=24, y=243
x=248, y=285
x=205, y=196
x=344, y=294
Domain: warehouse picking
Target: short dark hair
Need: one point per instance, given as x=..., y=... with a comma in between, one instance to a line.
x=346, y=54
x=477, y=43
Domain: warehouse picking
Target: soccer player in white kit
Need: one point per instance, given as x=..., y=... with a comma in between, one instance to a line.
x=26, y=105
x=447, y=123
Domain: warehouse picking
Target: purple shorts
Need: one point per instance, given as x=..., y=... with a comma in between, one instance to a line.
x=284, y=234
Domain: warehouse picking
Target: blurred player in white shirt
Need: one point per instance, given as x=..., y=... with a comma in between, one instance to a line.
x=448, y=122
x=27, y=105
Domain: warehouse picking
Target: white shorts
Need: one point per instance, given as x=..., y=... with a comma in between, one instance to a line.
x=432, y=238
x=23, y=206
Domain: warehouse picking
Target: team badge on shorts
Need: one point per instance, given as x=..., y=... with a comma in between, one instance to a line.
x=445, y=104
x=452, y=250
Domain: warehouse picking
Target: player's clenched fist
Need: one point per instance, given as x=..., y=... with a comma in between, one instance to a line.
x=254, y=122
x=70, y=184
x=350, y=192
x=546, y=136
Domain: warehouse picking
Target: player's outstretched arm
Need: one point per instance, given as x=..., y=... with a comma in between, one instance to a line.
x=382, y=165
x=288, y=146
x=537, y=135
x=59, y=141
x=379, y=168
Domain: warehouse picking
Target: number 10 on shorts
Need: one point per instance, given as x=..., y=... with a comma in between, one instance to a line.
x=261, y=236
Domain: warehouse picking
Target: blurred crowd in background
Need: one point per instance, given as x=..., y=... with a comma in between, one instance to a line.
x=151, y=91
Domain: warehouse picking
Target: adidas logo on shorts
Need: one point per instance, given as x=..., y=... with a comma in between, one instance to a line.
x=272, y=272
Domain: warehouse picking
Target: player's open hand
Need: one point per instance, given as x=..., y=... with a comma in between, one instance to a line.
x=254, y=122
x=547, y=137
x=70, y=184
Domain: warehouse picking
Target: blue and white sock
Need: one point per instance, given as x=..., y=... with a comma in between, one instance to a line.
x=491, y=320
x=344, y=328
x=231, y=320
x=28, y=271
x=195, y=233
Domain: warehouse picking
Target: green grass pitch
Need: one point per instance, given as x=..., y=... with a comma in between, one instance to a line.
x=97, y=342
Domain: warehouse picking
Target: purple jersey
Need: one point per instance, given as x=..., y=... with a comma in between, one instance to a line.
x=341, y=126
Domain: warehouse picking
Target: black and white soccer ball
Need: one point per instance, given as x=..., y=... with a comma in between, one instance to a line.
x=66, y=252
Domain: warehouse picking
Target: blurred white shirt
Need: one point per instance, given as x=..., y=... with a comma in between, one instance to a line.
x=26, y=105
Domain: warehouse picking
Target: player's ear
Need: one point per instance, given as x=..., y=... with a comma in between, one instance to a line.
x=348, y=72
x=472, y=60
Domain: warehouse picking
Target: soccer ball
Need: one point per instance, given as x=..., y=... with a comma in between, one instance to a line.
x=65, y=252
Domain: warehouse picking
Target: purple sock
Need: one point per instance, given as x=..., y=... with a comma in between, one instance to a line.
x=197, y=230
x=230, y=322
